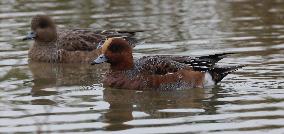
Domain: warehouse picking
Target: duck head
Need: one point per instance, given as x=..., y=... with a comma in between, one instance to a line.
x=43, y=29
x=117, y=52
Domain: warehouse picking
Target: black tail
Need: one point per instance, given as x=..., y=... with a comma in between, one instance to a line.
x=218, y=73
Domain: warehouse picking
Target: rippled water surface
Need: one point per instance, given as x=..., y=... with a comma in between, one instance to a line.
x=55, y=98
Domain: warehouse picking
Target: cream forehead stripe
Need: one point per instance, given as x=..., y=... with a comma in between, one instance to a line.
x=106, y=44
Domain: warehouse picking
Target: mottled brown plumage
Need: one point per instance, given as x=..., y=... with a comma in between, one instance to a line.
x=67, y=45
x=158, y=72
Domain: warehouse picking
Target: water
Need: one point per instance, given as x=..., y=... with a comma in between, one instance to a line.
x=55, y=98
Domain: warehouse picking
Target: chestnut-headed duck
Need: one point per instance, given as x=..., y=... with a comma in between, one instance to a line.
x=68, y=45
x=158, y=72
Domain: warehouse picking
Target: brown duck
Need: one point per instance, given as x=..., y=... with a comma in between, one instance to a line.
x=158, y=72
x=68, y=45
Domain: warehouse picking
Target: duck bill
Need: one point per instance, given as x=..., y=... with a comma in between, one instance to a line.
x=101, y=59
x=30, y=36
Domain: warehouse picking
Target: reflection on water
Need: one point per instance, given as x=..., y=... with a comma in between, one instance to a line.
x=128, y=105
x=46, y=75
x=55, y=98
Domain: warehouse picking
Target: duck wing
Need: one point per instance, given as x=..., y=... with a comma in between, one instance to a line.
x=208, y=60
x=159, y=65
x=127, y=35
x=88, y=39
x=163, y=64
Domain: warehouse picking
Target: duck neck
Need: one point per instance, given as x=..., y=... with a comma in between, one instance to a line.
x=123, y=64
x=46, y=44
x=46, y=36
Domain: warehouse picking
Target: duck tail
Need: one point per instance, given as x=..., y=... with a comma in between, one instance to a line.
x=218, y=73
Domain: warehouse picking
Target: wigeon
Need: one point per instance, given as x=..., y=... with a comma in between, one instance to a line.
x=158, y=72
x=67, y=45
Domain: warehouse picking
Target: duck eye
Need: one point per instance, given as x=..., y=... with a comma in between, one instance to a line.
x=43, y=24
x=115, y=48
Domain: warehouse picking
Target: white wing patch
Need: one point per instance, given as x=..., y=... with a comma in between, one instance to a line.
x=208, y=81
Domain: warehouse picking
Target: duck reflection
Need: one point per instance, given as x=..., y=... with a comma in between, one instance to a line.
x=46, y=75
x=123, y=103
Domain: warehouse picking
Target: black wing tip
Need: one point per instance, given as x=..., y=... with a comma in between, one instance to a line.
x=214, y=58
x=203, y=61
x=132, y=32
x=217, y=56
